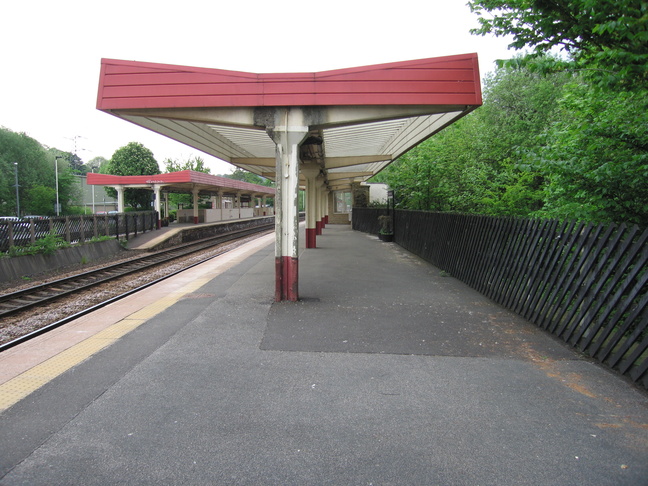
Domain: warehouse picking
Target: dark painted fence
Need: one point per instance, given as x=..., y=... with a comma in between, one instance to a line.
x=586, y=284
x=76, y=229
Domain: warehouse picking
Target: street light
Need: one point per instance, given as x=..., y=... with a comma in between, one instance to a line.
x=17, y=195
x=92, y=168
x=58, y=206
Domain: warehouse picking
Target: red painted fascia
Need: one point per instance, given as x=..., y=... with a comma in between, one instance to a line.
x=185, y=176
x=450, y=80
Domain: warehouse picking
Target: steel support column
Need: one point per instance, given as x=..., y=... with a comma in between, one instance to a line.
x=287, y=132
x=220, y=204
x=194, y=193
x=319, y=221
x=323, y=210
x=310, y=172
x=120, y=198
x=158, y=203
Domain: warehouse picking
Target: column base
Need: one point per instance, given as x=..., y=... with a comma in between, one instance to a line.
x=311, y=240
x=286, y=276
x=318, y=228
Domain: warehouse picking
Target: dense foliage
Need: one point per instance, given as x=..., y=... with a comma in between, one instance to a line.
x=197, y=164
x=245, y=176
x=36, y=176
x=550, y=146
x=604, y=40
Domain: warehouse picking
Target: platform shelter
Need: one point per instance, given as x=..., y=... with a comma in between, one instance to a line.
x=229, y=198
x=325, y=131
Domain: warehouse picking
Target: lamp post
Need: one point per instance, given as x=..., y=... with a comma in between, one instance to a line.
x=17, y=195
x=58, y=206
x=92, y=168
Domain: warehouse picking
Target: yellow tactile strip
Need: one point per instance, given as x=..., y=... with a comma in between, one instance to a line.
x=15, y=389
x=19, y=387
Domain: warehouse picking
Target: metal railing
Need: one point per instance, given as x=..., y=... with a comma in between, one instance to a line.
x=75, y=229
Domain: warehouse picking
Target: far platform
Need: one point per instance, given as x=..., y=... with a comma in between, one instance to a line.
x=166, y=235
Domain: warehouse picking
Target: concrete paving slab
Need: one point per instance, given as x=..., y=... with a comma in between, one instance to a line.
x=207, y=393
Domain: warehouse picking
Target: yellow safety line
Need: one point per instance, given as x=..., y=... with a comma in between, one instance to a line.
x=14, y=390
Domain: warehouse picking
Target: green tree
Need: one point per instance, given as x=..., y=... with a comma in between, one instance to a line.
x=76, y=164
x=133, y=159
x=42, y=200
x=245, y=176
x=595, y=157
x=476, y=165
x=197, y=164
x=604, y=40
x=36, y=167
x=95, y=165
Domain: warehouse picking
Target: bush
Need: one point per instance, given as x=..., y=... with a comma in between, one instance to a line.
x=46, y=245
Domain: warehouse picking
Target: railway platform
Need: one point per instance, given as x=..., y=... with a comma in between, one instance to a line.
x=172, y=234
x=387, y=371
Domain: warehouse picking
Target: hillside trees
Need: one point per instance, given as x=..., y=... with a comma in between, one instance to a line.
x=36, y=177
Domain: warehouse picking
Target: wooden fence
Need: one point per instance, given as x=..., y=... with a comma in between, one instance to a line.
x=585, y=283
x=75, y=229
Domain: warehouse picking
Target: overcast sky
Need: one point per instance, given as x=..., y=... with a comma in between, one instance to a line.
x=51, y=53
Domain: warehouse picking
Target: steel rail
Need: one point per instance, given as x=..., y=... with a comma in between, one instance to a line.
x=65, y=320
x=15, y=302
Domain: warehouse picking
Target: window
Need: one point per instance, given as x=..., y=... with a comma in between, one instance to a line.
x=342, y=201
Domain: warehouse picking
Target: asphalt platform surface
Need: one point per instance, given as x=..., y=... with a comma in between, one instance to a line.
x=386, y=372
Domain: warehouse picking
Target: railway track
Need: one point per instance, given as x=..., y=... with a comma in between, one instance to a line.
x=24, y=300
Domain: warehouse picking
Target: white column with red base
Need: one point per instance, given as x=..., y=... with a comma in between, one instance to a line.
x=194, y=193
x=288, y=133
x=311, y=171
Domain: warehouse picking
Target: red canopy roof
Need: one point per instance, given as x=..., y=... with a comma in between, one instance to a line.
x=451, y=80
x=179, y=179
x=365, y=117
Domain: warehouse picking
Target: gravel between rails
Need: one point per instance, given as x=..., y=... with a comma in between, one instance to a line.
x=12, y=327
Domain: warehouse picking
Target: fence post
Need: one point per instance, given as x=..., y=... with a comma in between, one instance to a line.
x=32, y=232
x=95, y=229
x=68, y=238
x=126, y=225
x=10, y=233
x=81, y=230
